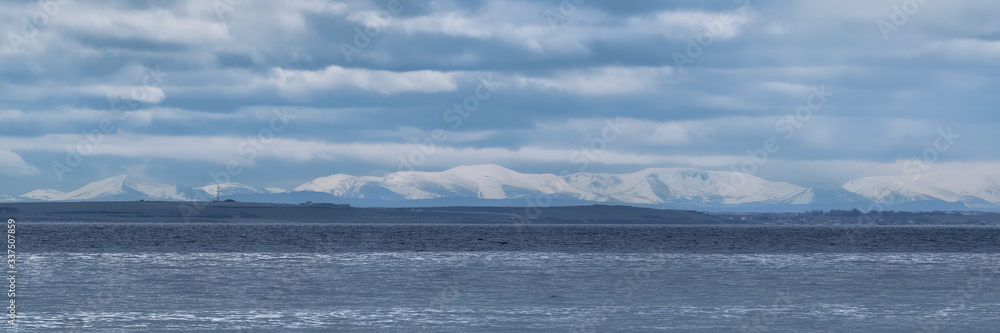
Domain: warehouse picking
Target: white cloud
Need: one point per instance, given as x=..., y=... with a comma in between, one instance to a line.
x=161, y=25
x=626, y=132
x=506, y=21
x=149, y=94
x=967, y=49
x=689, y=24
x=890, y=99
x=299, y=82
x=12, y=115
x=602, y=81
x=13, y=165
x=221, y=150
x=449, y=24
x=87, y=117
x=791, y=89
x=413, y=134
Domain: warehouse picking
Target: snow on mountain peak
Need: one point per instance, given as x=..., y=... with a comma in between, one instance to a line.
x=489, y=181
x=43, y=194
x=340, y=185
x=675, y=187
x=970, y=188
x=120, y=187
x=661, y=185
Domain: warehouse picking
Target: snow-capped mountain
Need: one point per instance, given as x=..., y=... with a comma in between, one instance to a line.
x=117, y=188
x=982, y=186
x=683, y=187
x=971, y=191
x=678, y=185
x=495, y=185
x=344, y=186
x=830, y=197
x=43, y=194
x=480, y=181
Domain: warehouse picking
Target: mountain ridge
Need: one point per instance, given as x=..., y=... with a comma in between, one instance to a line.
x=491, y=184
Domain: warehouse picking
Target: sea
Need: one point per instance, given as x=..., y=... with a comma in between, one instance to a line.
x=92, y=277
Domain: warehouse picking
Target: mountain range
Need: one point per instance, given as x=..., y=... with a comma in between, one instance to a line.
x=492, y=185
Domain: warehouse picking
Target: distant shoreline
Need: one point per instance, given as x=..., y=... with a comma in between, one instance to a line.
x=249, y=212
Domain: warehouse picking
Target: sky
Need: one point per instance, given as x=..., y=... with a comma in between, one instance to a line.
x=277, y=93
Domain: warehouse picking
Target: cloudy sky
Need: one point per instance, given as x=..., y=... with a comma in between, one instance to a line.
x=281, y=92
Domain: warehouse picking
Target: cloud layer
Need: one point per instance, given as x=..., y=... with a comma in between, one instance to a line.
x=178, y=89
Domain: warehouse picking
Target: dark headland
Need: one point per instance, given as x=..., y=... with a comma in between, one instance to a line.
x=240, y=212
x=247, y=212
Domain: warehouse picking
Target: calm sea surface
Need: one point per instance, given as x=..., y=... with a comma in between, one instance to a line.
x=405, y=278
